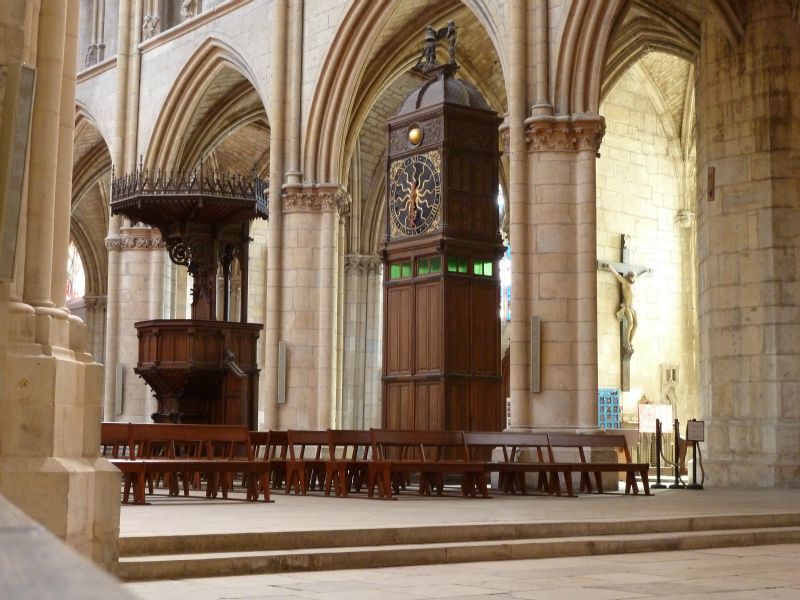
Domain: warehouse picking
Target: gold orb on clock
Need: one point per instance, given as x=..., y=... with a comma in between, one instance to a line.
x=415, y=135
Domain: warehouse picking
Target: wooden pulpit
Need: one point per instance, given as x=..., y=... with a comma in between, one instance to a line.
x=203, y=369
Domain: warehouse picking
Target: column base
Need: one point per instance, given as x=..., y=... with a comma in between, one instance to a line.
x=76, y=499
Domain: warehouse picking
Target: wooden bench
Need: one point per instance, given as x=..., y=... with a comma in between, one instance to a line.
x=272, y=446
x=430, y=454
x=347, y=466
x=583, y=441
x=512, y=468
x=207, y=449
x=305, y=467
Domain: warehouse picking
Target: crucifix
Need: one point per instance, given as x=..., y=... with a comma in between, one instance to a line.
x=625, y=273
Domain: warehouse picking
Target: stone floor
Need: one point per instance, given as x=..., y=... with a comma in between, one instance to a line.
x=728, y=573
x=195, y=515
x=755, y=573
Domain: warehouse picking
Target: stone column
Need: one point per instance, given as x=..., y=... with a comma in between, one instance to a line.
x=123, y=157
x=273, y=278
x=362, y=297
x=311, y=218
x=561, y=267
x=140, y=296
x=50, y=404
x=95, y=307
x=514, y=141
x=748, y=140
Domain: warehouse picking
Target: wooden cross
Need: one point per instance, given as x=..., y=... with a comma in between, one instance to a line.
x=624, y=268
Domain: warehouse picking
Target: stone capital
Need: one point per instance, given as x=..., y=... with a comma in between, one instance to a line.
x=95, y=302
x=505, y=135
x=316, y=198
x=136, y=238
x=362, y=264
x=564, y=134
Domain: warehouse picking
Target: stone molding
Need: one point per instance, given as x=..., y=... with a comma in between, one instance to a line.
x=564, y=134
x=316, y=199
x=95, y=302
x=362, y=264
x=136, y=238
x=190, y=24
x=98, y=68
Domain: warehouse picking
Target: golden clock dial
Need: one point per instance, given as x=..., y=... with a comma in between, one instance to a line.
x=415, y=194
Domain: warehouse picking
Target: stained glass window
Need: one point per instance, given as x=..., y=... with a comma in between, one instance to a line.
x=76, y=278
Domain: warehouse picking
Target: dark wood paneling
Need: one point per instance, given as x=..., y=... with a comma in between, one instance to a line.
x=398, y=407
x=428, y=338
x=485, y=329
x=486, y=408
x=400, y=327
x=457, y=400
x=457, y=325
x=428, y=406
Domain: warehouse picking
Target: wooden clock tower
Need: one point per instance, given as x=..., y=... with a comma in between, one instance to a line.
x=441, y=362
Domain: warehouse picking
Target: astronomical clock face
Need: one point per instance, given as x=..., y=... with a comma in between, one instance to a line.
x=415, y=194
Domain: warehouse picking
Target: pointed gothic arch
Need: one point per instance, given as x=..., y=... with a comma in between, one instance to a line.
x=352, y=78
x=171, y=145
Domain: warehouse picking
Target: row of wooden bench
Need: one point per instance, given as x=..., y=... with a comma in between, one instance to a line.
x=345, y=460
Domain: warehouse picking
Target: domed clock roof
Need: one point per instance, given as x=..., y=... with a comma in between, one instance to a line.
x=443, y=89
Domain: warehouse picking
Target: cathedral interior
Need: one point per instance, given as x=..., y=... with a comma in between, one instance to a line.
x=637, y=145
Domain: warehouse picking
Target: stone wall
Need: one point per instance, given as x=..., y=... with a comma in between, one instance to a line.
x=639, y=194
x=748, y=240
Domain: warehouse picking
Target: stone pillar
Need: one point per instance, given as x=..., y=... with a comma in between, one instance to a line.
x=561, y=267
x=95, y=310
x=513, y=135
x=311, y=218
x=123, y=157
x=362, y=342
x=50, y=404
x=748, y=140
x=140, y=254
x=273, y=277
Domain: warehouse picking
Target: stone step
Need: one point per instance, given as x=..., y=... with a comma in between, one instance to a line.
x=219, y=563
x=427, y=534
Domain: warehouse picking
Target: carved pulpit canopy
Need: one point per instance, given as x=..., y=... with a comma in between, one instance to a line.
x=202, y=215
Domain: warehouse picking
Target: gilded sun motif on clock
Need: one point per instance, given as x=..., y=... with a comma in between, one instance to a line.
x=415, y=194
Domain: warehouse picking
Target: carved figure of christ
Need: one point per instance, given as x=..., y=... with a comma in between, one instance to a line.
x=625, y=273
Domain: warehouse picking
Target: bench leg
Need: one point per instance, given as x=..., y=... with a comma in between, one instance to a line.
x=568, y=483
x=139, y=487
x=598, y=477
x=382, y=473
x=645, y=483
x=586, y=482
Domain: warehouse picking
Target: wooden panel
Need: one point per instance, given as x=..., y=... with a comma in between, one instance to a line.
x=428, y=408
x=457, y=405
x=485, y=329
x=429, y=327
x=399, y=327
x=398, y=407
x=457, y=326
x=486, y=407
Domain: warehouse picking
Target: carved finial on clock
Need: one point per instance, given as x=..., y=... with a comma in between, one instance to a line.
x=426, y=64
